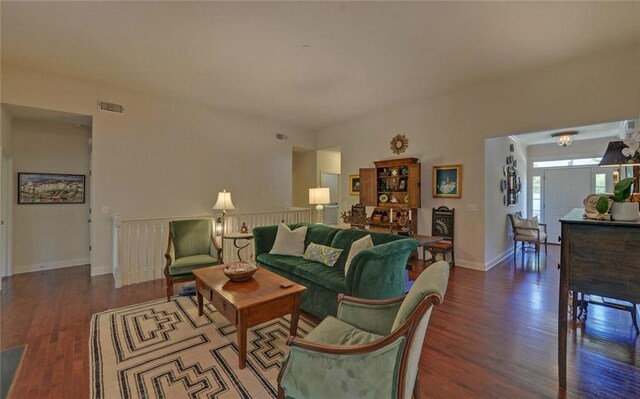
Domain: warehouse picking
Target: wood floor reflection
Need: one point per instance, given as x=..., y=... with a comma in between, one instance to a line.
x=494, y=336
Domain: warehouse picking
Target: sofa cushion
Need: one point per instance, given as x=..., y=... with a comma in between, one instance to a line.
x=344, y=238
x=315, y=272
x=289, y=242
x=320, y=234
x=356, y=247
x=322, y=253
x=336, y=332
x=186, y=264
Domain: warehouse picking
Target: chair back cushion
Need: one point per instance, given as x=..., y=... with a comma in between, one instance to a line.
x=522, y=226
x=191, y=237
x=431, y=281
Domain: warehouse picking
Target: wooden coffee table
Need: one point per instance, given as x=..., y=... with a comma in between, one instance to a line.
x=249, y=303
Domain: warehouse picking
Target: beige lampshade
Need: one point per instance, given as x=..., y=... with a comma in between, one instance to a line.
x=224, y=201
x=319, y=196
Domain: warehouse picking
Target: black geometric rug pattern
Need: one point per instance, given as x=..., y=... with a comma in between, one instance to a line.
x=163, y=349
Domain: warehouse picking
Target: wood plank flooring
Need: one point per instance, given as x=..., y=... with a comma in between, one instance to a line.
x=493, y=337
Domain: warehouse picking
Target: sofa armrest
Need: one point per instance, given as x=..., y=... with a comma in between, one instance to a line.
x=263, y=239
x=376, y=316
x=378, y=272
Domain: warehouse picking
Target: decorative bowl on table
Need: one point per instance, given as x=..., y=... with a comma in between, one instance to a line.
x=240, y=271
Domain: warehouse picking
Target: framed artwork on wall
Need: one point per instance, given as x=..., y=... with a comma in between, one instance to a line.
x=354, y=184
x=447, y=181
x=50, y=188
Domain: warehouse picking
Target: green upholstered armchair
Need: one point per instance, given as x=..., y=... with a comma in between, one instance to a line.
x=372, y=348
x=191, y=246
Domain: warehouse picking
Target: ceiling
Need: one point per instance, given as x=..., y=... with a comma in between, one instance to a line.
x=362, y=57
x=611, y=130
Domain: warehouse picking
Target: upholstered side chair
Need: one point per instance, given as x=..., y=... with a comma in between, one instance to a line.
x=191, y=246
x=370, y=350
x=525, y=233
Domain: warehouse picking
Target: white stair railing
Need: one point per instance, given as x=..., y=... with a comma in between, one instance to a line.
x=139, y=244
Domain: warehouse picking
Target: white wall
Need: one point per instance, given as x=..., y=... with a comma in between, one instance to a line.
x=304, y=176
x=164, y=157
x=498, y=226
x=5, y=191
x=451, y=129
x=328, y=162
x=50, y=236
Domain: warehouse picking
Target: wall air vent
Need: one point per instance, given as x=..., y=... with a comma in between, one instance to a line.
x=631, y=125
x=110, y=107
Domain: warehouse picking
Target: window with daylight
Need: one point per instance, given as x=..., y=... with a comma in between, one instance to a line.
x=563, y=163
x=601, y=183
x=536, y=189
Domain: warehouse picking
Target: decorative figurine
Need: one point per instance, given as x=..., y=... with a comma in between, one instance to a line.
x=244, y=229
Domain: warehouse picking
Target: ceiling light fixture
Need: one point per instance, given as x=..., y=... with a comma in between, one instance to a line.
x=564, y=139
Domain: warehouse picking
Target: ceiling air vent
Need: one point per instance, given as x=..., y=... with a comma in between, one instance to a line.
x=110, y=107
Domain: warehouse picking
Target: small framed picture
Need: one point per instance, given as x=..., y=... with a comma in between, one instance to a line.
x=402, y=186
x=354, y=184
x=447, y=181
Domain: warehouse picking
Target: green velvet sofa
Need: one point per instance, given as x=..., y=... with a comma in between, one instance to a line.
x=375, y=273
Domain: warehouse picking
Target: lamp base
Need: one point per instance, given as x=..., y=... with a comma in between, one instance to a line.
x=319, y=213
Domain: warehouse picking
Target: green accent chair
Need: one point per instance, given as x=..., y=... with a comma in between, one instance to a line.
x=191, y=246
x=370, y=350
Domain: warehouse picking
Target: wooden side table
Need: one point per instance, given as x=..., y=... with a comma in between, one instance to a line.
x=236, y=237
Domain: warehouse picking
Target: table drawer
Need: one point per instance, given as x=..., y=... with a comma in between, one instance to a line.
x=225, y=308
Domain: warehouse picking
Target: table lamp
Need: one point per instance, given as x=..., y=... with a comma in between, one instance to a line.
x=319, y=196
x=223, y=203
x=614, y=157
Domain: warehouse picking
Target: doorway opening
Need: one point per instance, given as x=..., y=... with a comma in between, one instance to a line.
x=46, y=180
x=313, y=168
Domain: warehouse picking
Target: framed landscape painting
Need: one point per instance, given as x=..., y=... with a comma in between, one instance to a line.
x=447, y=181
x=354, y=184
x=50, y=188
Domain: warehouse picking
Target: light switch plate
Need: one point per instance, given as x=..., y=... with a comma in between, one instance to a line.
x=472, y=207
x=104, y=209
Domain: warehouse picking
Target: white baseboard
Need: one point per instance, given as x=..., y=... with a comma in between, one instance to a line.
x=469, y=264
x=499, y=259
x=19, y=269
x=99, y=270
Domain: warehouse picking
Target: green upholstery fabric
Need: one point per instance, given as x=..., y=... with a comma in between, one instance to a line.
x=375, y=318
x=344, y=238
x=432, y=280
x=379, y=272
x=375, y=273
x=336, y=332
x=186, y=264
x=371, y=375
x=191, y=237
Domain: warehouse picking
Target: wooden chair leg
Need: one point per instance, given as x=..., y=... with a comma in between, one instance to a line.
x=169, y=290
x=453, y=257
x=515, y=250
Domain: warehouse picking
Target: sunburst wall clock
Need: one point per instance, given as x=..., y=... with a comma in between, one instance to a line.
x=399, y=144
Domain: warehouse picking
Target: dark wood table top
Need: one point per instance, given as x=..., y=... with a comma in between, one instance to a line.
x=264, y=286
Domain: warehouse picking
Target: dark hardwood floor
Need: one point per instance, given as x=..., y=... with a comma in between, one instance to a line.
x=493, y=337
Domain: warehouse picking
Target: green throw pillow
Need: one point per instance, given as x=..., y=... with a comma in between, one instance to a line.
x=323, y=254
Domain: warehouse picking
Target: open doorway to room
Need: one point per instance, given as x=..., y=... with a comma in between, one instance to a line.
x=46, y=177
x=313, y=168
x=546, y=175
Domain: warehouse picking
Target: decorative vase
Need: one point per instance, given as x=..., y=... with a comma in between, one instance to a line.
x=625, y=211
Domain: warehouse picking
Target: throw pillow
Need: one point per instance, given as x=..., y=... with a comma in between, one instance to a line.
x=531, y=223
x=357, y=246
x=289, y=242
x=323, y=254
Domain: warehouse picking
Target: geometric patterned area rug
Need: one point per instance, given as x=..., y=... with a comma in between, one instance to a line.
x=162, y=349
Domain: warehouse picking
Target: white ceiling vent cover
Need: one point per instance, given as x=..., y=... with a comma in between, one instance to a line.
x=110, y=107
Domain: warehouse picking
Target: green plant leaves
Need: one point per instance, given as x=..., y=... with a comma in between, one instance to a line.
x=622, y=190
x=602, y=206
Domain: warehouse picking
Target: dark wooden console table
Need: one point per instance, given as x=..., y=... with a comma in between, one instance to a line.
x=599, y=258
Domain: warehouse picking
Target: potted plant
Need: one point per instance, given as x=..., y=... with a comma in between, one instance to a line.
x=622, y=209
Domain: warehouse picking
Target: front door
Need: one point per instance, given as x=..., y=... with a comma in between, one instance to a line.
x=564, y=189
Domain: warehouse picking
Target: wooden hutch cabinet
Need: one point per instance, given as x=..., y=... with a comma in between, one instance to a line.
x=391, y=186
